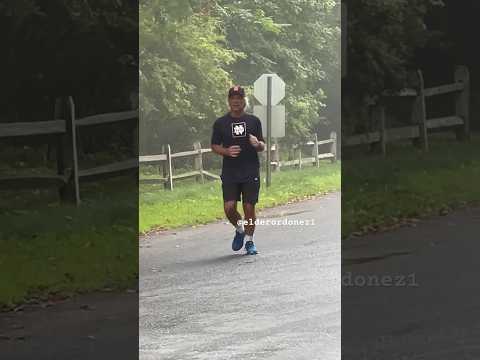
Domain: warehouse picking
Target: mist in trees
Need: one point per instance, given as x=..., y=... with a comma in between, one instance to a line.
x=192, y=51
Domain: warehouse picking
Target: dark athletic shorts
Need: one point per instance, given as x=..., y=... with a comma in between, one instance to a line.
x=247, y=191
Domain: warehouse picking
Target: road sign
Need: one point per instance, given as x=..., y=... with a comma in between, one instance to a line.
x=260, y=89
x=278, y=119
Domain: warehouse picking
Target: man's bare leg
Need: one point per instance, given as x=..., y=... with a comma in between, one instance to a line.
x=249, y=211
x=232, y=213
x=236, y=220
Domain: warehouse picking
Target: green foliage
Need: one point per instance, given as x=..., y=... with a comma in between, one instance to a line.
x=300, y=44
x=67, y=47
x=382, y=39
x=182, y=75
x=192, y=51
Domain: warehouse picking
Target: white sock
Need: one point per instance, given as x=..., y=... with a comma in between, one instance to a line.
x=240, y=228
x=248, y=238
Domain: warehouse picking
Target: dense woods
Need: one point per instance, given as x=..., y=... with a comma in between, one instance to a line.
x=88, y=49
x=192, y=51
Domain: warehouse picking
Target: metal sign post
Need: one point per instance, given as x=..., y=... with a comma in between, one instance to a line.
x=269, y=131
x=269, y=90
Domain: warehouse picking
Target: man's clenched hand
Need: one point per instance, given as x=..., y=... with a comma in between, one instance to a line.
x=255, y=143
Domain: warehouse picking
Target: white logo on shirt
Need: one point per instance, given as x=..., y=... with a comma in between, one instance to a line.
x=239, y=129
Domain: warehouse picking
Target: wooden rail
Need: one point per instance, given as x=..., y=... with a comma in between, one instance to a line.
x=32, y=128
x=165, y=162
x=109, y=118
x=314, y=159
x=459, y=122
x=64, y=126
x=166, y=174
x=63, y=130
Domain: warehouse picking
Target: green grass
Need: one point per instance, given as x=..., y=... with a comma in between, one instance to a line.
x=379, y=193
x=193, y=204
x=51, y=249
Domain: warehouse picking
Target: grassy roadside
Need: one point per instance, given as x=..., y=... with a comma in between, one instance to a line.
x=193, y=204
x=382, y=193
x=48, y=250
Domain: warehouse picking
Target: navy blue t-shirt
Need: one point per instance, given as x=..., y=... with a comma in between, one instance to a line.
x=229, y=131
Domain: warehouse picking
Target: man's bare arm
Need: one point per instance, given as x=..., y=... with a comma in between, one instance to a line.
x=218, y=149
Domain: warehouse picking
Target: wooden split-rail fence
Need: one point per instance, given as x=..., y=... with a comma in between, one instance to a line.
x=166, y=176
x=419, y=132
x=165, y=162
x=63, y=128
x=316, y=157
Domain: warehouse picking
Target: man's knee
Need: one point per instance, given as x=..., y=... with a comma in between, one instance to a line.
x=230, y=207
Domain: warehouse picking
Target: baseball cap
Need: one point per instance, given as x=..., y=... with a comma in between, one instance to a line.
x=236, y=90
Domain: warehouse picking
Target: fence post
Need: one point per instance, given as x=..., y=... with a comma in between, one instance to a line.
x=276, y=155
x=135, y=138
x=419, y=115
x=333, y=146
x=60, y=139
x=169, y=167
x=272, y=155
x=73, y=131
x=299, y=157
x=315, y=151
x=164, y=169
x=383, y=129
x=198, y=162
x=292, y=154
x=143, y=134
x=462, y=101
x=68, y=158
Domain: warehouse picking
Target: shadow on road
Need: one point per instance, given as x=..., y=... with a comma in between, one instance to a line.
x=368, y=259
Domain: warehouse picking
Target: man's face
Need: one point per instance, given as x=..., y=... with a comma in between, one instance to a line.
x=237, y=103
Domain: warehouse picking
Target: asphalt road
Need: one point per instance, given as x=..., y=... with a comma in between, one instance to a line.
x=434, y=313
x=96, y=327
x=199, y=300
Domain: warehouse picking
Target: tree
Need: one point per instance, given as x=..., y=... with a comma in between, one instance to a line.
x=382, y=39
x=182, y=70
x=67, y=47
x=298, y=40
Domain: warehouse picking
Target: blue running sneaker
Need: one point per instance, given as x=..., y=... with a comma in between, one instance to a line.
x=250, y=247
x=237, y=243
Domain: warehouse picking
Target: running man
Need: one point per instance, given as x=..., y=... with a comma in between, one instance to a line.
x=237, y=136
